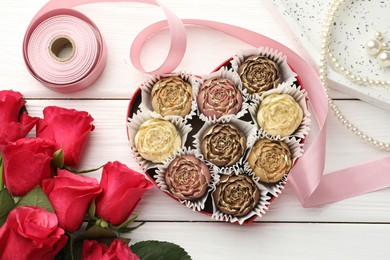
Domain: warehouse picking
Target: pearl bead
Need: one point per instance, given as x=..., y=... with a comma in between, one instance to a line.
x=373, y=46
x=384, y=59
x=378, y=36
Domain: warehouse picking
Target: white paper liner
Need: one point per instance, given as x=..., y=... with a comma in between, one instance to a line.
x=195, y=205
x=259, y=210
x=223, y=73
x=299, y=95
x=295, y=146
x=146, y=91
x=139, y=118
x=247, y=128
x=286, y=74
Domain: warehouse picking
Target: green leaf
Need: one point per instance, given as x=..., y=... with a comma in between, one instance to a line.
x=129, y=229
x=7, y=203
x=36, y=197
x=102, y=235
x=58, y=159
x=126, y=223
x=96, y=232
x=81, y=171
x=151, y=250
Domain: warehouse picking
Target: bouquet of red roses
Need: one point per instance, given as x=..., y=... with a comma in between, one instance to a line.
x=47, y=209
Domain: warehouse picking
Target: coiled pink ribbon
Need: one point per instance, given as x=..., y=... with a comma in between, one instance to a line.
x=56, y=20
x=310, y=184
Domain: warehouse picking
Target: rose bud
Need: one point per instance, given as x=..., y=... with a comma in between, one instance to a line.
x=270, y=160
x=12, y=127
x=258, y=74
x=27, y=162
x=31, y=233
x=13, y=131
x=93, y=250
x=71, y=195
x=11, y=103
x=69, y=129
x=172, y=96
x=236, y=195
x=218, y=97
x=187, y=177
x=122, y=190
x=223, y=144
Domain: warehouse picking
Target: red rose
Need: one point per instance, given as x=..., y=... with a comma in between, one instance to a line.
x=118, y=250
x=71, y=195
x=10, y=105
x=26, y=163
x=69, y=128
x=122, y=190
x=12, y=131
x=31, y=233
x=93, y=250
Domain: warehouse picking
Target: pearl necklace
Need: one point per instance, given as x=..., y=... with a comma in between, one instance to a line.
x=323, y=74
x=354, y=78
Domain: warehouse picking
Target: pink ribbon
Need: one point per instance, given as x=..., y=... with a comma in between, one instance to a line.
x=57, y=20
x=310, y=184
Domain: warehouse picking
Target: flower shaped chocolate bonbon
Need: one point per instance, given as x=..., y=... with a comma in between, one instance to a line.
x=172, y=96
x=270, y=160
x=236, y=195
x=187, y=177
x=279, y=115
x=258, y=74
x=218, y=97
x=157, y=139
x=223, y=144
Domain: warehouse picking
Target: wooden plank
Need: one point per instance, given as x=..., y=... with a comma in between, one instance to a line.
x=219, y=241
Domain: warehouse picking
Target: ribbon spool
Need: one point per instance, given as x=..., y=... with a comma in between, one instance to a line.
x=64, y=50
x=48, y=38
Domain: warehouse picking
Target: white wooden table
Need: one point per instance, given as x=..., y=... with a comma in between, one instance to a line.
x=357, y=228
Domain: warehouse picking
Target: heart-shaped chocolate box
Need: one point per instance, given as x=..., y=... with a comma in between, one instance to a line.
x=289, y=85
